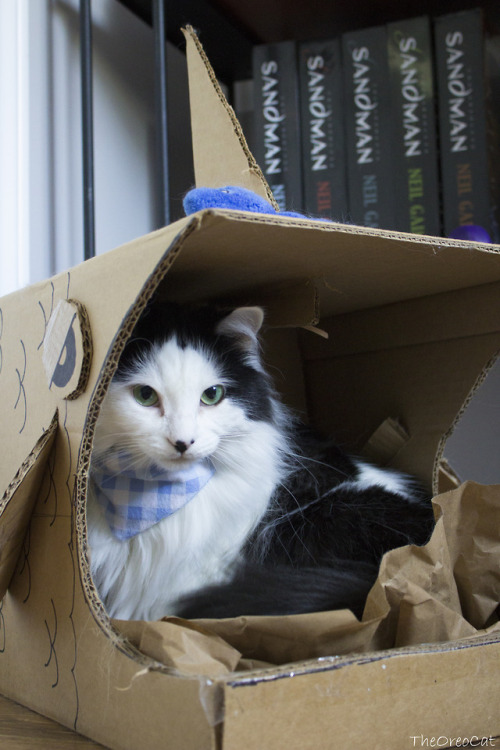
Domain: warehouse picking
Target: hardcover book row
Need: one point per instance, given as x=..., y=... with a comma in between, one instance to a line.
x=391, y=127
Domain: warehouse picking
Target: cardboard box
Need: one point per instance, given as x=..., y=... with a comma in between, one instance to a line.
x=412, y=323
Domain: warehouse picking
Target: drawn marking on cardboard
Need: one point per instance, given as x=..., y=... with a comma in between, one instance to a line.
x=52, y=643
x=25, y=562
x=67, y=349
x=52, y=488
x=2, y=629
x=21, y=396
x=59, y=353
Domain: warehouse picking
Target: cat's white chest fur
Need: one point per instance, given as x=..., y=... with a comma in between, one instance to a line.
x=141, y=578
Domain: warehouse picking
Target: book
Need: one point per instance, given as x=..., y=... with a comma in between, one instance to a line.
x=415, y=173
x=276, y=130
x=367, y=126
x=492, y=51
x=322, y=129
x=462, y=95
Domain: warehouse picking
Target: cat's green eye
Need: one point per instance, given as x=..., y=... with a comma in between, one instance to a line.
x=213, y=395
x=145, y=395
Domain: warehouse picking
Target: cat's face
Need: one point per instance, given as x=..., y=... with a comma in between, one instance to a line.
x=186, y=398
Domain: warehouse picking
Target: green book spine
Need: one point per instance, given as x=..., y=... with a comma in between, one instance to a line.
x=459, y=51
x=415, y=165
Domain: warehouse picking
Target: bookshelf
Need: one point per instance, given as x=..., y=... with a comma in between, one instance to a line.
x=274, y=20
x=230, y=31
x=229, y=28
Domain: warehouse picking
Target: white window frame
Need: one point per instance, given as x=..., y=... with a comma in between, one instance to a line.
x=25, y=143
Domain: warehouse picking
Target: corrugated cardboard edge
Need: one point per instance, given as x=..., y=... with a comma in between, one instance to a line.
x=329, y=663
x=221, y=129
x=440, y=460
x=27, y=481
x=86, y=333
x=447, y=477
x=350, y=230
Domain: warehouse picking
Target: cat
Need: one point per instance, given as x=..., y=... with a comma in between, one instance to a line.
x=207, y=497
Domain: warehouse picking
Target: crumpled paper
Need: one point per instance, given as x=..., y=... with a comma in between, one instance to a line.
x=181, y=644
x=447, y=590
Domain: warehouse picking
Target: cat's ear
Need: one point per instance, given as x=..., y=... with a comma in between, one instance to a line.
x=243, y=324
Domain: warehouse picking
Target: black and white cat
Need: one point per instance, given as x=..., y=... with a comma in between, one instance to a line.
x=207, y=499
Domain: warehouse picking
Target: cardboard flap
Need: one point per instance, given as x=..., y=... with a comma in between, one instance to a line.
x=18, y=502
x=446, y=477
x=228, y=160
x=289, y=305
x=385, y=442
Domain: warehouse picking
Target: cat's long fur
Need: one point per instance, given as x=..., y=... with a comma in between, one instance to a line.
x=286, y=524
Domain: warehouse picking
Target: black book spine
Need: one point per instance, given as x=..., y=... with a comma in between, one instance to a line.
x=367, y=128
x=322, y=128
x=459, y=53
x=415, y=165
x=276, y=123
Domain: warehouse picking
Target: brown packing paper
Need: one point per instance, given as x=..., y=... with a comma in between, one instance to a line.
x=412, y=580
x=473, y=537
x=182, y=645
x=296, y=638
x=423, y=594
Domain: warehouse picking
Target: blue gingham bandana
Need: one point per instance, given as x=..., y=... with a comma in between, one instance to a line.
x=135, y=500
